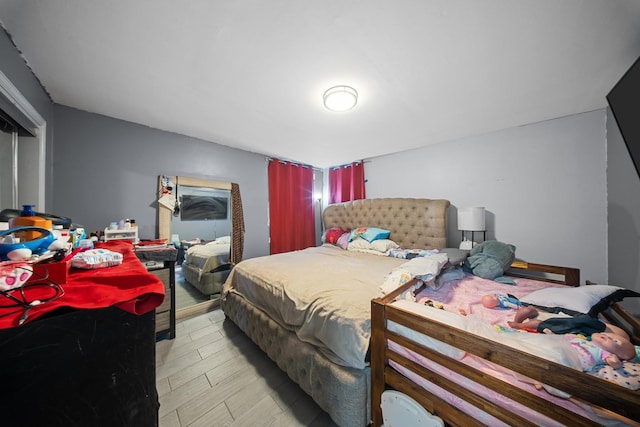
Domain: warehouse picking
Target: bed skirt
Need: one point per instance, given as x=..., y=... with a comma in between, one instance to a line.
x=344, y=393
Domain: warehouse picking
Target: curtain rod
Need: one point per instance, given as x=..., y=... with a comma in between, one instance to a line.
x=284, y=162
x=346, y=165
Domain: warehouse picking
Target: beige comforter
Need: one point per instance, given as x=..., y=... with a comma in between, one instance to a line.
x=207, y=257
x=323, y=294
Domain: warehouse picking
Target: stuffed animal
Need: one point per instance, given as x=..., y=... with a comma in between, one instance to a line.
x=11, y=249
x=500, y=301
x=13, y=274
x=603, y=349
x=490, y=259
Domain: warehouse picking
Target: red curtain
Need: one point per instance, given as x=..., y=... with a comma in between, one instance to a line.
x=291, y=207
x=346, y=183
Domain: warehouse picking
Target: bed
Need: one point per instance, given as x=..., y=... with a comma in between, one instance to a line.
x=206, y=266
x=339, y=383
x=467, y=374
x=348, y=382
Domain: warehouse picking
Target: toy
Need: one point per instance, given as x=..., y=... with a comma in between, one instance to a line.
x=581, y=324
x=607, y=344
x=13, y=274
x=24, y=249
x=13, y=248
x=490, y=259
x=604, y=348
x=500, y=301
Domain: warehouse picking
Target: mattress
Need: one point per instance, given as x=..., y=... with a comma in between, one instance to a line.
x=323, y=294
x=341, y=391
x=200, y=260
x=465, y=295
x=549, y=347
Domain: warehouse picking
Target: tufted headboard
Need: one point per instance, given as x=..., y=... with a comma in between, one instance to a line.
x=414, y=223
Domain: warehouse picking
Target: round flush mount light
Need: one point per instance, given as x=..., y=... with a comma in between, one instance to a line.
x=340, y=98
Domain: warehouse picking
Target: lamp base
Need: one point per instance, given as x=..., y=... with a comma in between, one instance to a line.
x=466, y=245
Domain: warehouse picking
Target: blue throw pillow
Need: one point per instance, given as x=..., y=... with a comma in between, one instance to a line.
x=369, y=233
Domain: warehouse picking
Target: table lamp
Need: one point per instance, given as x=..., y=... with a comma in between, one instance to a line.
x=471, y=219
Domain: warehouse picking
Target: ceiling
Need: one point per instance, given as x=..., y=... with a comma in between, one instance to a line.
x=251, y=74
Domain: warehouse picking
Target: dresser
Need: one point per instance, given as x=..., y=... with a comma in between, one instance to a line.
x=87, y=358
x=82, y=368
x=161, y=263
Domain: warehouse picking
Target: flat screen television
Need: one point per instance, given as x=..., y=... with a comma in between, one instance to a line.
x=202, y=208
x=624, y=100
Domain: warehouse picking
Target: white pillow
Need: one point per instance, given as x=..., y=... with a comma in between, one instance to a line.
x=381, y=245
x=590, y=299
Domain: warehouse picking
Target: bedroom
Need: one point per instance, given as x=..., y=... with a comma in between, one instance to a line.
x=558, y=189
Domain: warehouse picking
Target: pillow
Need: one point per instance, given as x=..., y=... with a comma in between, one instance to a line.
x=381, y=245
x=590, y=299
x=223, y=240
x=332, y=235
x=456, y=256
x=369, y=233
x=490, y=259
x=446, y=275
x=343, y=241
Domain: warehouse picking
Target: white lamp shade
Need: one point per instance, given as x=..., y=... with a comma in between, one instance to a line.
x=471, y=219
x=340, y=98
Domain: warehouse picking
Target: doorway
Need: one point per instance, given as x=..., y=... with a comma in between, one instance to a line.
x=22, y=150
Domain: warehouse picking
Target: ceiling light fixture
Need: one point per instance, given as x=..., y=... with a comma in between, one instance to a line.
x=340, y=98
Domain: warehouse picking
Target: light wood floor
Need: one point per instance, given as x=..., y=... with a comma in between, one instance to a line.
x=189, y=300
x=212, y=375
x=186, y=295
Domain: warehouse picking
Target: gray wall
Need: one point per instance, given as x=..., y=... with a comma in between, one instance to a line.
x=107, y=169
x=101, y=169
x=623, y=187
x=543, y=186
x=13, y=66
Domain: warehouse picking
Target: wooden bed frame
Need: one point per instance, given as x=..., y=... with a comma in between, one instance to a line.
x=611, y=397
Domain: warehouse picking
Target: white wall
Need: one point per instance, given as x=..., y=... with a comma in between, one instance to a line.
x=543, y=185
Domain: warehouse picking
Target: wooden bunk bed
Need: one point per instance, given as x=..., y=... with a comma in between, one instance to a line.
x=391, y=369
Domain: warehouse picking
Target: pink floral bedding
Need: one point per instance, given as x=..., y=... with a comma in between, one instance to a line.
x=463, y=296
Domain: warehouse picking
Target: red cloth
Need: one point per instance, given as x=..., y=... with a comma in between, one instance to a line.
x=127, y=286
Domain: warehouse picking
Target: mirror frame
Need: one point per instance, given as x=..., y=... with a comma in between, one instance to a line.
x=164, y=232
x=164, y=214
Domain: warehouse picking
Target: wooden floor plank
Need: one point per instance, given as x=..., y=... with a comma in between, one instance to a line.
x=211, y=374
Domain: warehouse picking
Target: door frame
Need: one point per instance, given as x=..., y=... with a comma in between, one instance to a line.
x=10, y=94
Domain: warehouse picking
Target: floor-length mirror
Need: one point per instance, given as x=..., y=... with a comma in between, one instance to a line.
x=196, y=217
